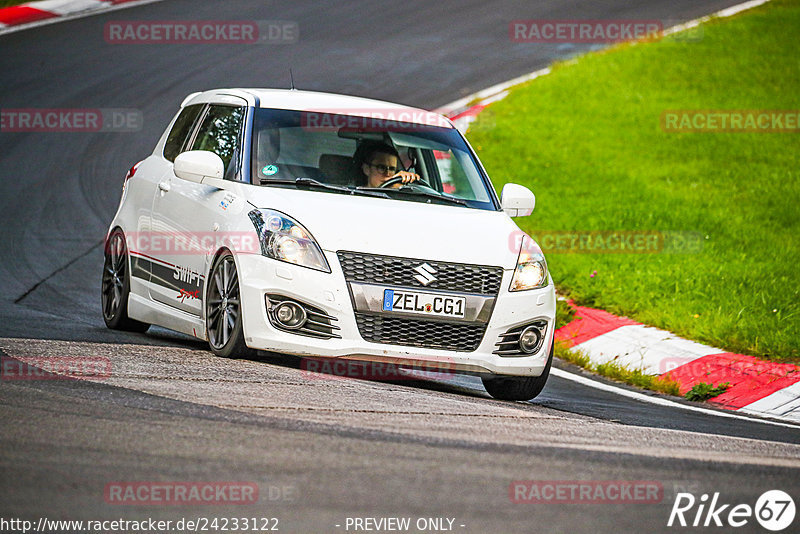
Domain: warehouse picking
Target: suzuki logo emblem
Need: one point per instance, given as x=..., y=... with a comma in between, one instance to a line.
x=425, y=275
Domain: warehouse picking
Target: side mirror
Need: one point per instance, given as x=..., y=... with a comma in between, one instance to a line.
x=199, y=166
x=517, y=200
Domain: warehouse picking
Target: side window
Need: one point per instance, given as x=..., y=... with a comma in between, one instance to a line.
x=180, y=131
x=219, y=133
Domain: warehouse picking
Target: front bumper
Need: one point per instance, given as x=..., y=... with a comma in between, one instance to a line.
x=260, y=276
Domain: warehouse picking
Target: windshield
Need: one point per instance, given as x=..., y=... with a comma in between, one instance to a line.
x=334, y=153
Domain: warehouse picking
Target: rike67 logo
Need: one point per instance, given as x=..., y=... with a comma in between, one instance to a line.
x=774, y=510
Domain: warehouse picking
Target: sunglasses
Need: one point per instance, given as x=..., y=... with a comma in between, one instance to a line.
x=383, y=169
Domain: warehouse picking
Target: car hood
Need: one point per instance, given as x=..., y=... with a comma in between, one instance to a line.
x=398, y=228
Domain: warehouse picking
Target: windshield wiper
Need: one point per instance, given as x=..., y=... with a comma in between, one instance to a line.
x=418, y=192
x=310, y=182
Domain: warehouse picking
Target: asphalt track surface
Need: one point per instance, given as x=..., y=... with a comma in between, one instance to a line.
x=320, y=449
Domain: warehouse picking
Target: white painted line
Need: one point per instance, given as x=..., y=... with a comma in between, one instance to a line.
x=649, y=349
x=727, y=12
x=784, y=403
x=490, y=92
x=658, y=400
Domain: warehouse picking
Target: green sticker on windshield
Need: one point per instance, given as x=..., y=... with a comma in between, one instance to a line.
x=269, y=170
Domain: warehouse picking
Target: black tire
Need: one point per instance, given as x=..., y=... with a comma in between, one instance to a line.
x=116, y=286
x=223, y=310
x=517, y=388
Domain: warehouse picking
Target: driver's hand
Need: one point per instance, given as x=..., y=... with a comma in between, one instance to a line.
x=408, y=177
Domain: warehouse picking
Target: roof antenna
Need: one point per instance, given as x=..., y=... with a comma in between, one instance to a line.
x=291, y=76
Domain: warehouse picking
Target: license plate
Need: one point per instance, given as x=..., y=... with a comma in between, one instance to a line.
x=423, y=303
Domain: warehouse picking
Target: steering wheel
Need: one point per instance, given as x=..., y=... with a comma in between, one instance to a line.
x=399, y=179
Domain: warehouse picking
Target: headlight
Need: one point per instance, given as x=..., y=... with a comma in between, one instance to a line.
x=531, y=271
x=284, y=239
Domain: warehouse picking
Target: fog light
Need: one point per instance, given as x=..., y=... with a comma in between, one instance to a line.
x=290, y=315
x=529, y=339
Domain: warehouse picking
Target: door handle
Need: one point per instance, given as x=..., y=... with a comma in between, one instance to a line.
x=164, y=186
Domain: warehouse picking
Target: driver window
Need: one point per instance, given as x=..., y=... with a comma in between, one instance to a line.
x=220, y=133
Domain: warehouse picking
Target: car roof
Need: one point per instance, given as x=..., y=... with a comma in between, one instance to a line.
x=313, y=101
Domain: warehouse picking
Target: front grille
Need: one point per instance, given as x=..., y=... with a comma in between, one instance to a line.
x=420, y=333
x=389, y=270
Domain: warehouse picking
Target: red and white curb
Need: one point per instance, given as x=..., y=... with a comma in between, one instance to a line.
x=33, y=14
x=757, y=387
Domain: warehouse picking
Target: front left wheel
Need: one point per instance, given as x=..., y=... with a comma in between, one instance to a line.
x=116, y=287
x=223, y=308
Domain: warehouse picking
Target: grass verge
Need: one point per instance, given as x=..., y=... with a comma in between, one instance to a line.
x=617, y=372
x=7, y=3
x=587, y=140
x=704, y=391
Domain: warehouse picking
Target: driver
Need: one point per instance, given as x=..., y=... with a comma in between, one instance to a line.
x=379, y=163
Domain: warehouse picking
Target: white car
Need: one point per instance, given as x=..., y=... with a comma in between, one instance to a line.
x=330, y=226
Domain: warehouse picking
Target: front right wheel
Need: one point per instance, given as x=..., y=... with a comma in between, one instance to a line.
x=224, y=310
x=518, y=388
